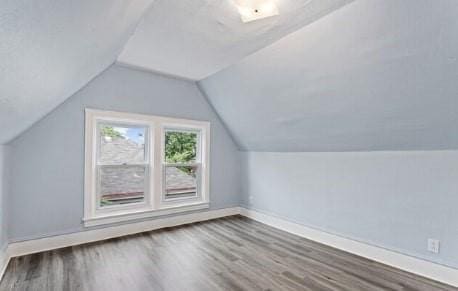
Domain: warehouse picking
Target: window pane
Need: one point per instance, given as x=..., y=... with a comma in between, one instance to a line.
x=180, y=181
x=121, y=144
x=122, y=184
x=180, y=147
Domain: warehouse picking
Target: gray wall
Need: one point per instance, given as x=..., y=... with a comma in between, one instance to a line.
x=396, y=200
x=4, y=156
x=46, y=195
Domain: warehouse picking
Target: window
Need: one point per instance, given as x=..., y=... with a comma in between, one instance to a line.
x=182, y=164
x=140, y=166
x=122, y=164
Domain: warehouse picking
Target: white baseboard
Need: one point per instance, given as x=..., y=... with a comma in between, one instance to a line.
x=410, y=264
x=60, y=241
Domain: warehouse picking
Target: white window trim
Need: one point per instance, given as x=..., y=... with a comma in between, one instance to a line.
x=154, y=204
x=149, y=149
x=202, y=162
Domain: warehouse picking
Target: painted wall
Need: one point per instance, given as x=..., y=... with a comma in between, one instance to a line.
x=48, y=159
x=396, y=200
x=3, y=195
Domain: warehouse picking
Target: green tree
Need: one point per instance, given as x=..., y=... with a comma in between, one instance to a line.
x=180, y=147
x=110, y=132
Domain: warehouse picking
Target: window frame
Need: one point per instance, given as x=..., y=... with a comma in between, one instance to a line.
x=200, y=162
x=153, y=204
x=147, y=164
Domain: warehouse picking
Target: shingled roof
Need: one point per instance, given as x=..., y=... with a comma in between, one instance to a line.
x=125, y=184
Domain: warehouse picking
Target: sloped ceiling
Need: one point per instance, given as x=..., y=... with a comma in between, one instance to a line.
x=374, y=75
x=50, y=49
x=194, y=39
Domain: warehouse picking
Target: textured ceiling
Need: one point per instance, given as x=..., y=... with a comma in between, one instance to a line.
x=50, y=49
x=373, y=75
x=194, y=39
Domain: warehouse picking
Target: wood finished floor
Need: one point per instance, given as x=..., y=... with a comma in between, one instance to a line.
x=233, y=253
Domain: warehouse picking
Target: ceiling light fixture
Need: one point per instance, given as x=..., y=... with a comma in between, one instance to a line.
x=251, y=10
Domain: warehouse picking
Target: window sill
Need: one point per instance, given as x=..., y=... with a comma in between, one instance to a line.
x=121, y=217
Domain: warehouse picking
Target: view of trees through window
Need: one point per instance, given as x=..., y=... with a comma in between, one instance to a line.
x=109, y=131
x=123, y=145
x=140, y=163
x=180, y=147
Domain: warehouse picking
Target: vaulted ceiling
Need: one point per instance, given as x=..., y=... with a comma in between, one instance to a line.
x=194, y=39
x=50, y=49
x=374, y=75
x=323, y=75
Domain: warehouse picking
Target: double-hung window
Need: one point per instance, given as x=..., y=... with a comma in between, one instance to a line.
x=182, y=166
x=122, y=165
x=140, y=166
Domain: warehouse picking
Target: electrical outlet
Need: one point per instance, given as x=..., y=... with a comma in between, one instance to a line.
x=433, y=245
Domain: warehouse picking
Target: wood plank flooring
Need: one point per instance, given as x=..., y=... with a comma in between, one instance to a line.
x=233, y=253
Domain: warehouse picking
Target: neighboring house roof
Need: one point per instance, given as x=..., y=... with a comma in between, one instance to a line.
x=179, y=181
x=121, y=150
x=126, y=182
